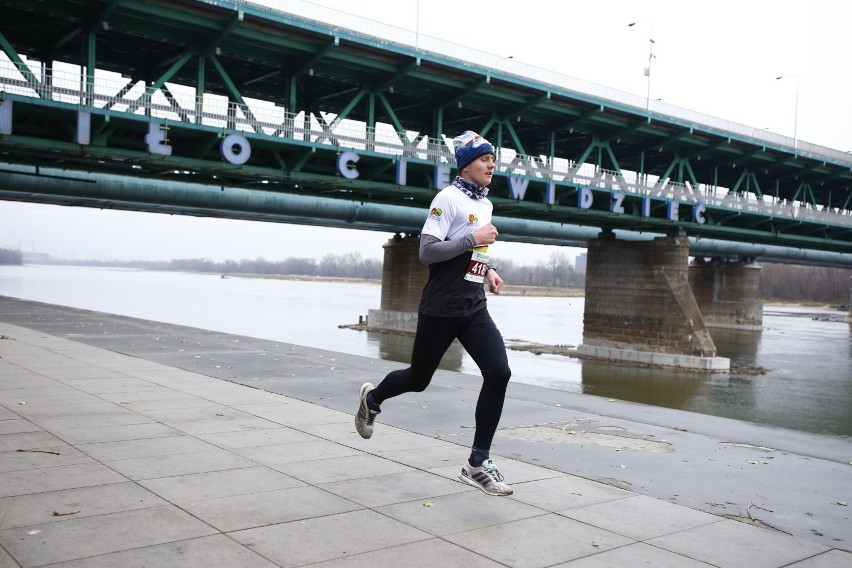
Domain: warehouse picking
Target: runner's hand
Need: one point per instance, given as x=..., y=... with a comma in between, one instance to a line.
x=486, y=234
x=495, y=283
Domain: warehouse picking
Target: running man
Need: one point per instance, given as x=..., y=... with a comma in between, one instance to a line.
x=454, y=244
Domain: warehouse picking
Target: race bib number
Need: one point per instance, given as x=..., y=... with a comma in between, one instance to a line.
x=478, y=265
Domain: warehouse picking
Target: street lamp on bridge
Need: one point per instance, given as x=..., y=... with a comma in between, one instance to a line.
x=651, y=56
x=796, y=116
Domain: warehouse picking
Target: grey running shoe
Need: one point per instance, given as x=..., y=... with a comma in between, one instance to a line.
x=485, y=477
x=364, y=417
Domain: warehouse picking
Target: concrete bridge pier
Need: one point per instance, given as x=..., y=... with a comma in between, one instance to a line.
x=727, y=292
x=640, y=308
x=849, y=305
x=403, y=279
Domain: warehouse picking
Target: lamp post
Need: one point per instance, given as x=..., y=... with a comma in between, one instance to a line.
x=796, y=116
x=650, y=57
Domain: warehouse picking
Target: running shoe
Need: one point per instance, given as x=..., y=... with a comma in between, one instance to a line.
x=485, y=477
x=364, y=417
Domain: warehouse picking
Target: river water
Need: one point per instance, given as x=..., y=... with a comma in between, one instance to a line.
x=807, y=352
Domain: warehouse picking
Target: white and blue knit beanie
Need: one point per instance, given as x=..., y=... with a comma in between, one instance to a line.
x=469, y=146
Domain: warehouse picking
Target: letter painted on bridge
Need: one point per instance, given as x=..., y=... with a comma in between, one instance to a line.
x=585, y=198
x=156, y=140
x=346, y=164
x=442, y=177
x=401, y=171
x=6, y=117
x=236, y=149
x=673, y=211
x=518, y=187
x=699, y=213
x=617, y=205
x=84, y=127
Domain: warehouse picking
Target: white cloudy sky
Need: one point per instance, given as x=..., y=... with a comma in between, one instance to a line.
x=720, y=58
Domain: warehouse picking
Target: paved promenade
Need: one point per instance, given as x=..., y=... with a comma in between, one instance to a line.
x=129, y=443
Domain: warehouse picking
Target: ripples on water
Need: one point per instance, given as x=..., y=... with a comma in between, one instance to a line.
x=807, y=351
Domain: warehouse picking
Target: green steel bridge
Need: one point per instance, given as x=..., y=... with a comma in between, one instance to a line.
x=302, y=114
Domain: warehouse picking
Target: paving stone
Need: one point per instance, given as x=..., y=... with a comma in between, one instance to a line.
x=118, y=433
x=14, y=378
x=199, y=486
x=153, y=467
x=540, y=541
x=744, y=545
x=460, y=512
x=340, y=469
x=11, y=424
x=396, y=488
x=634, y=555
x=128, y=449
x=57, y=478
x=46, y=395
x=43, y=457
x=177, y=401
x=640, y=517
x=174, y=416
x=36, y=545
x=326, y=538
x=232, y=395
x=267, y=508
x=203, y=552
x=112, y=385
x=423, y=554
x=39, y=508
x=296, y=415
x=443, y=455
x=830, y=559
x=116, y=417
x=27, y=440
x=272, y=435
x=560, y=493
x=7, y=561
x=289, y=453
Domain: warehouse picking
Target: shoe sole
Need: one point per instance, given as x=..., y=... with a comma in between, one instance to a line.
x=473, y=483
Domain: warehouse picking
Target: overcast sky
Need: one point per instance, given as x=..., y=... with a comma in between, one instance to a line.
x=720, y=58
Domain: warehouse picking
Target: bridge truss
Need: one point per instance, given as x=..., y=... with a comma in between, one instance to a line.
x=85, y=85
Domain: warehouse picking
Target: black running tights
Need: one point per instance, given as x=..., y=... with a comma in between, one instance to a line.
x=482, y=340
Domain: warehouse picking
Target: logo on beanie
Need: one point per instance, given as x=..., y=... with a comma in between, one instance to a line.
x=469, y=146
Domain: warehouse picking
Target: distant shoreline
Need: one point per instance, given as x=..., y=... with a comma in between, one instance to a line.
x=508, y=290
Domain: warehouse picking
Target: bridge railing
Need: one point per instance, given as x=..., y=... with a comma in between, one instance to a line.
x=179, y=104
x=493, y=64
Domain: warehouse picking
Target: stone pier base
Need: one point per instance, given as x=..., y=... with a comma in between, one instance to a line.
x=650, y=359
x=640, y=308
x=403, y=279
